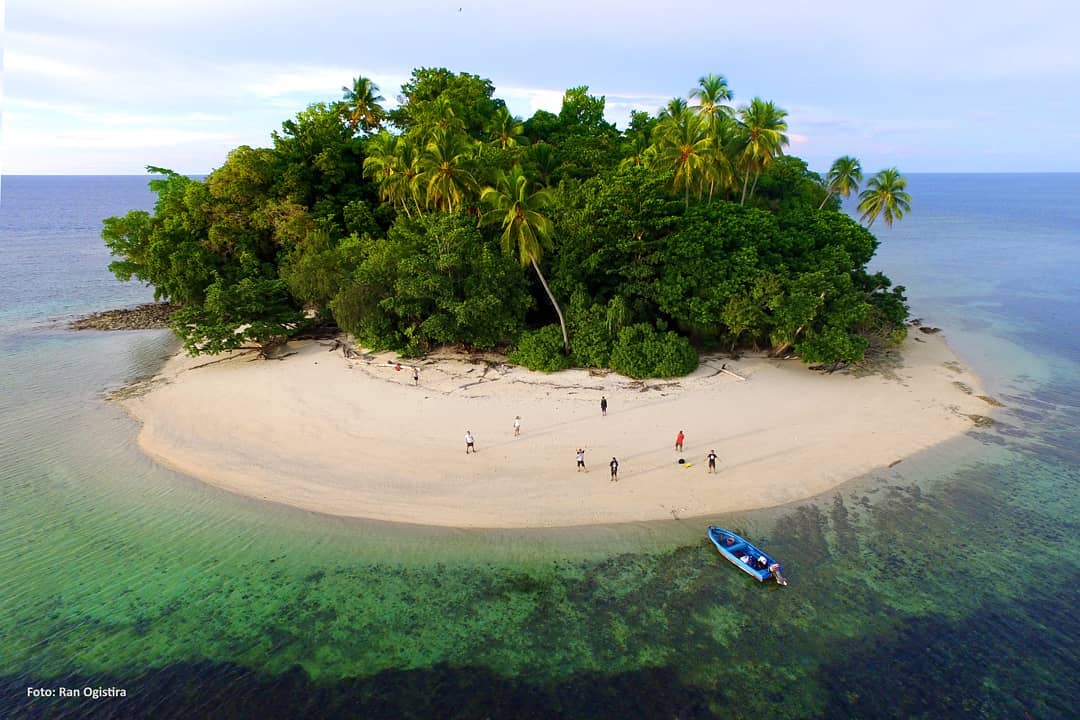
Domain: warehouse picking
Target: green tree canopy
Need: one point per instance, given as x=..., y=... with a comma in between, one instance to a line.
x=468, y=97
x=690, y=229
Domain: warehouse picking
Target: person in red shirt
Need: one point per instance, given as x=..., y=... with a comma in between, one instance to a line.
x=679, y=440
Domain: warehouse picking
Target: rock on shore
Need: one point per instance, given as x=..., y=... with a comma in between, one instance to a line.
x=151, y=316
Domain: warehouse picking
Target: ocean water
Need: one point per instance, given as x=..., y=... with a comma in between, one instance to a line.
x=945, y=586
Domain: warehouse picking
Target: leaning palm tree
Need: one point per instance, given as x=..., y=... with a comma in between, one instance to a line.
x=682, y=148
x=843, y=178
x=885, y=196
x=763, y=126
x=447, y=170
x=526, y=229
x=361, y=105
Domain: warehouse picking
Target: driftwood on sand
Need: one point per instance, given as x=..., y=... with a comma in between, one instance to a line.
x=724, y=369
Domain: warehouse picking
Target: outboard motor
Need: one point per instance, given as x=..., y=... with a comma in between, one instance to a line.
x=775, y=570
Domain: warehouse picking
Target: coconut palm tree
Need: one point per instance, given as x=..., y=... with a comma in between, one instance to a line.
x=763, y=125
x=393, y=164
x=382, y=165
x=641, y=151
x=360, y=105
x=682, y=147
x=843, y=178
x=526, y=230
x=507, y=130
x=447, y=170
x=674, y=108
x=437, y=116
x=410, y=167
x=885, y=196
x=543, y=162
x=711, y=93
x=719, y=170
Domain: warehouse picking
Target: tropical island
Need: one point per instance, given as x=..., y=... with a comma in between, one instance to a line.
x=475, y=269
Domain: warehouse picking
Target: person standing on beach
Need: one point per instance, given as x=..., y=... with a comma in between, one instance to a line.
x=614, y=470
x=470, y=442
x=581, y=460
x=712, y=461
x=416, y=376
x=517, y=425
x=603, y=406
x=679, y=440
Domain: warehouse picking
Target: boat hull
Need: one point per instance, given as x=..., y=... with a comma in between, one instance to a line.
x=734, y=547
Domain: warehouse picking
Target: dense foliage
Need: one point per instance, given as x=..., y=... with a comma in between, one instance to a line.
x=449, y=220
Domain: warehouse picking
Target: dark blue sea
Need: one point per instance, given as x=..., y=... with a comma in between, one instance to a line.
x=944, y=587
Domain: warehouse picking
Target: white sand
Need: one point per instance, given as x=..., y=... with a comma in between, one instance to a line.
x=356, y=438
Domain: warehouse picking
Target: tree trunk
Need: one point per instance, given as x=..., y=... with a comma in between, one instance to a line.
x=828, y=194
x=562, y=322
x=745, y=181
x=784, y=347
x=754, y=187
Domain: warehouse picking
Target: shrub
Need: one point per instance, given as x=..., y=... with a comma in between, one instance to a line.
x=590, y=338
x=541, y=350
x=642, y=352
x=356, y=310
x=831, y=345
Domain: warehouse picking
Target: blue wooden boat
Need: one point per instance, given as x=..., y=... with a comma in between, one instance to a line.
x=749, y=558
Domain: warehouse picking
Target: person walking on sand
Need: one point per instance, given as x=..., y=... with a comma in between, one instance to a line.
x=614, y=470
x=603, y=406
x=679, y=440
x=581, y=460
x=470, y=442
x=712, y=461
x=517, y=425
x=416, y=376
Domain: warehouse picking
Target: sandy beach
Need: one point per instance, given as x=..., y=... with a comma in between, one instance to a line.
x=357, y=438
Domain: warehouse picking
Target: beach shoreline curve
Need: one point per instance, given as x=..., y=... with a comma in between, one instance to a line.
x=360, y=438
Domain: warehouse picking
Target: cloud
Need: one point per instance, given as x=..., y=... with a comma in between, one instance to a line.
x=17, y=61
x=313, y=81
x=937, y=83
x=21, y=131
x=525, y=101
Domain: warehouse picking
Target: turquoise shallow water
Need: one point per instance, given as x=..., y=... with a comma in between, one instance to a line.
x=942, y=587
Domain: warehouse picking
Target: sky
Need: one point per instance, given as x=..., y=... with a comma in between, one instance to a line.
x=111, y=86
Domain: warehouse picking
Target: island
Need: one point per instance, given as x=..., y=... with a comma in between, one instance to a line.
x=466, y=268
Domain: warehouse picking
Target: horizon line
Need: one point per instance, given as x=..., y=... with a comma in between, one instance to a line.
x=206, y=173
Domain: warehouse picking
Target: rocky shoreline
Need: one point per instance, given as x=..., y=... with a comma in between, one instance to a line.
x=150, y=316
